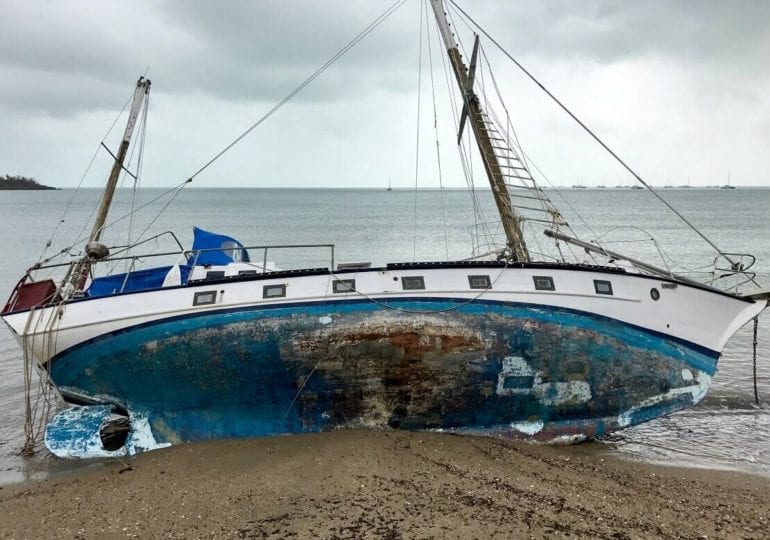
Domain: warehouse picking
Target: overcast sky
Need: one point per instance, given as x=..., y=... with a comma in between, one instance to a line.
x=681, y=89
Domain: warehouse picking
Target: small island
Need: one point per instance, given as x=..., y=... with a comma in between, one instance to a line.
x=20, y=182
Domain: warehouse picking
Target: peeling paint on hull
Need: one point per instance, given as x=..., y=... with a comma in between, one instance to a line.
x=483, y=368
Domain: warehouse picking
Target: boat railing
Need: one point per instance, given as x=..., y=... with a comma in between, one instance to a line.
x=486, y=238
x=135, y=262
x=265, y=249
x=187, y=253
x=129, y=247
x=731, y=271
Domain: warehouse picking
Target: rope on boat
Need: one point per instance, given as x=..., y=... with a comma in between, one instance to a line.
x=29, y=444
x=756, y=392
x=299, y=391
x=37, y=411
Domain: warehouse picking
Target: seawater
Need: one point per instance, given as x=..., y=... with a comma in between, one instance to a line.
x=727, y=430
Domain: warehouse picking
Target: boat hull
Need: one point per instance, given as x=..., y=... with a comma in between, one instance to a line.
x=221, y=358
x=483, y=367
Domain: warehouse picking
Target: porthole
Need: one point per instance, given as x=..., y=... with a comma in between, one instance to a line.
x=543, y=283
x=479, y=282
x=655, y=294
x=204, y=298
x=274, y=291
x=412, y=283
x=215, y=274
x=603, y=287
x=343, y=285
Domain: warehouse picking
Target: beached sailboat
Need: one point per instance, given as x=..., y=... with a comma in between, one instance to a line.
x=219, y=344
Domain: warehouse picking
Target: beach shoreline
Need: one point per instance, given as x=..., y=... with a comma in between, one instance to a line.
x=393, y=484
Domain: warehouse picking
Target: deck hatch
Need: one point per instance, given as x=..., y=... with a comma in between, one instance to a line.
x=204, y=298
x=274, y=291
x=412, y=283
x=603, y=287
x=479, y=282
x=344, y=285
x=543, y=283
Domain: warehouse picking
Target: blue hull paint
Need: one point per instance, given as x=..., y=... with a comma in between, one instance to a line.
x=488, y=368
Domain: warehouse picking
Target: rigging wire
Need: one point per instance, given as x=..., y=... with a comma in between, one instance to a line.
x=465, y=160
x=366, y=31
x=139, y=164
x=361, y=35
x=80, y=184
x=435, y=130
x=592, y=134
x=160, y=212
x=417, y=135
x=177, y=188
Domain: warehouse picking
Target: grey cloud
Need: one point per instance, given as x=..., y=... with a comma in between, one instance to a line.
x=233, y=50
x=612, y=30
x=248, y=51
x=59, y=60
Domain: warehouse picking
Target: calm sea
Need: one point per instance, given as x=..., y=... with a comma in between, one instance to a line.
x=726, y=431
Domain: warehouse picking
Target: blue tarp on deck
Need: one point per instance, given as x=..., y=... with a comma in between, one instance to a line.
x=229, y=249
x=138, y=280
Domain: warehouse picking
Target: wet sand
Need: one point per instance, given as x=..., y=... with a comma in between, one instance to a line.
x=385, y=485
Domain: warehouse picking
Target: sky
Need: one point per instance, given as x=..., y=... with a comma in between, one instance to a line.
x=680, y=89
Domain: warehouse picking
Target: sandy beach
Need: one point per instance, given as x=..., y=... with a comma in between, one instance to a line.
x=385, y=485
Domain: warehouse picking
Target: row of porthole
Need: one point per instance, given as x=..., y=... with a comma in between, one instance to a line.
x=411, y=283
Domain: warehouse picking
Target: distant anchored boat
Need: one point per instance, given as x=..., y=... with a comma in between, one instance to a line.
x=558, y=343
x=728, y=185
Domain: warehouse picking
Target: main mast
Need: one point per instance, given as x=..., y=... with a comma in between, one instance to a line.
x=93, y=249
x=472, y=108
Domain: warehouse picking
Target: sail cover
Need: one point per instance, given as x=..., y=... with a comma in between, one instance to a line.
x=136, y=280
x=227, y=249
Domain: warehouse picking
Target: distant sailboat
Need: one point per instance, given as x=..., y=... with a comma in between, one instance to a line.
x=389, y=188
x=728, y=186
x=579, y=185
